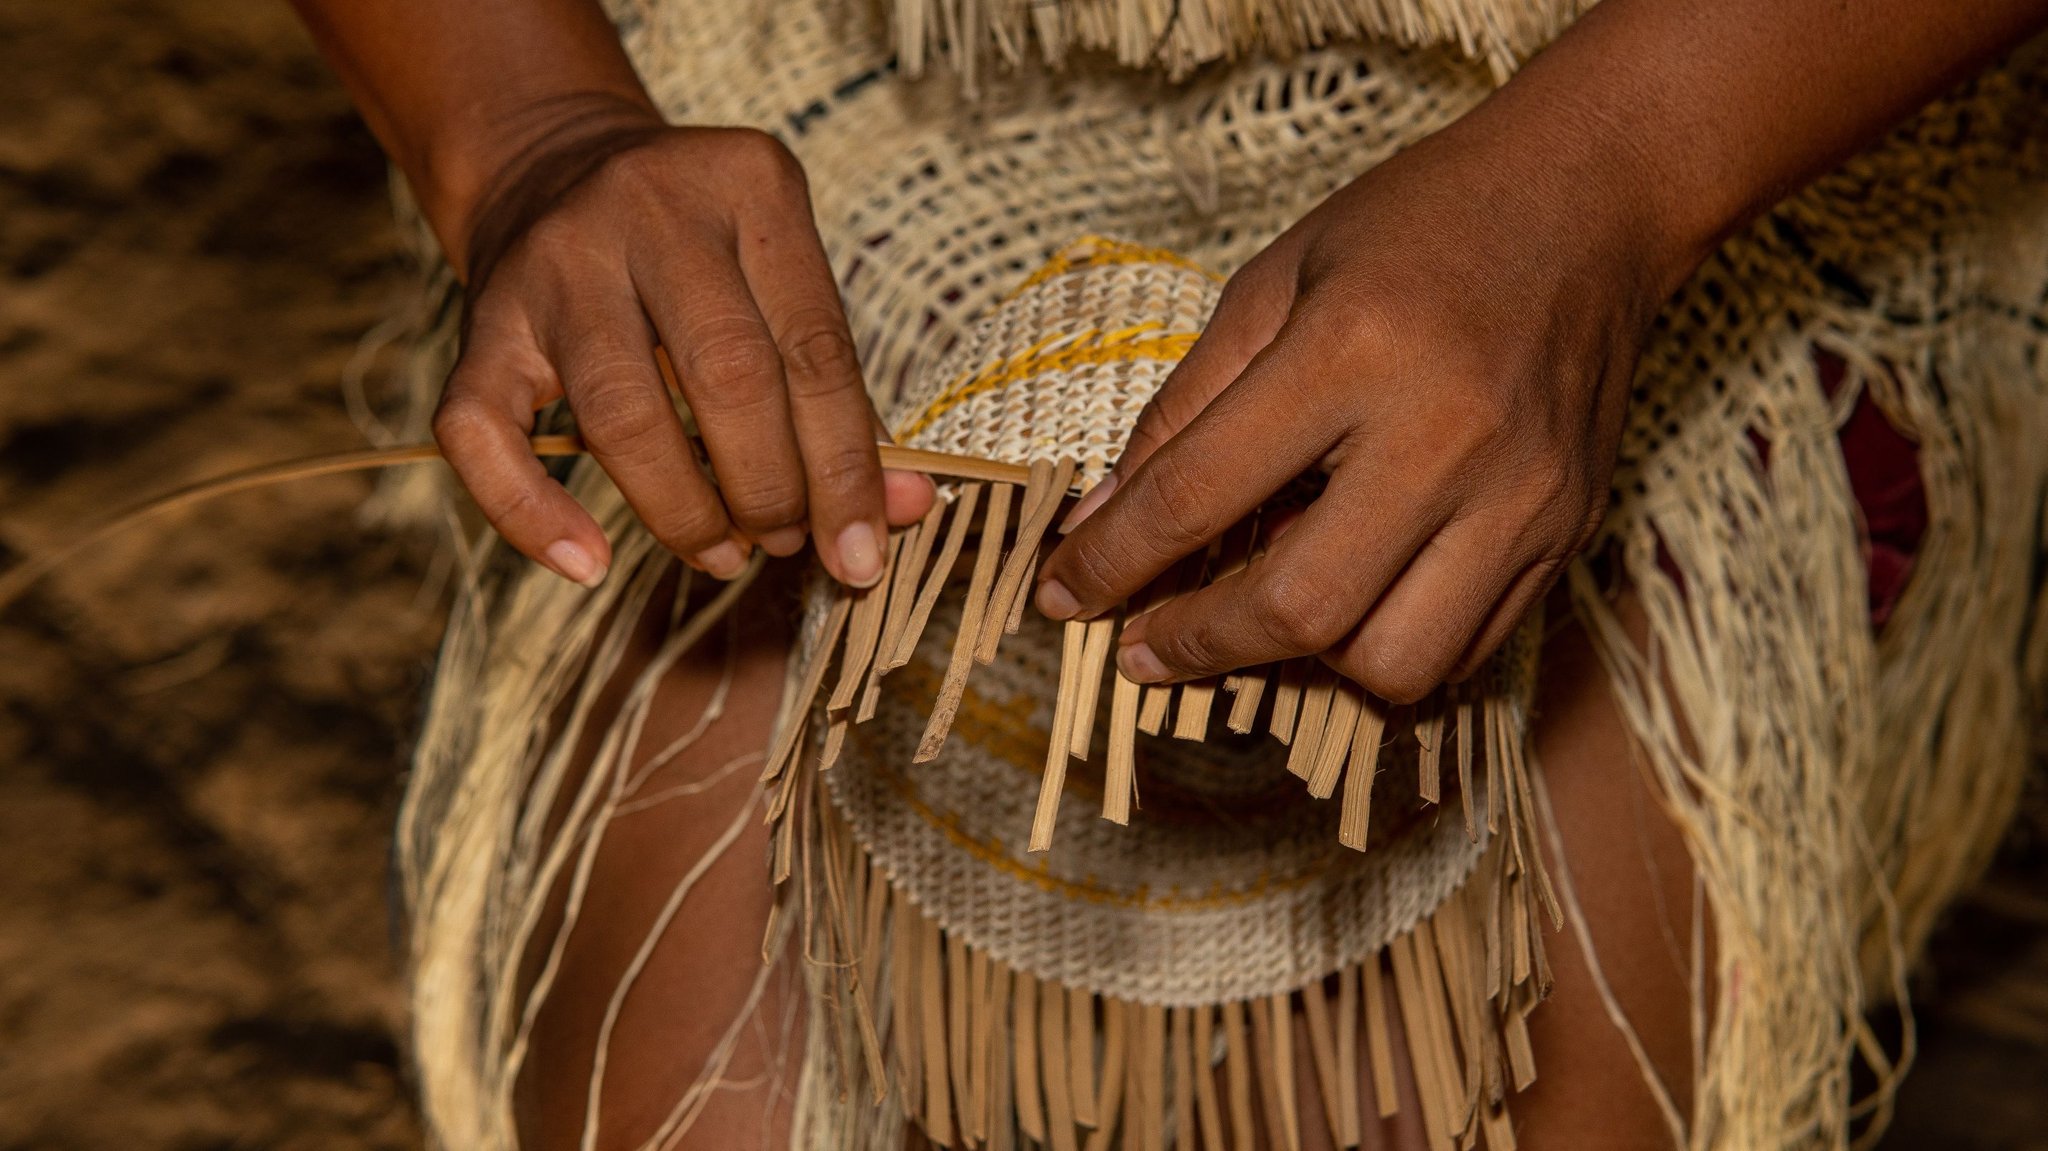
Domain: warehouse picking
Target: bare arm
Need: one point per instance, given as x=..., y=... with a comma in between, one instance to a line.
x=463, y=96
x=1455, y=333
x=589, y=232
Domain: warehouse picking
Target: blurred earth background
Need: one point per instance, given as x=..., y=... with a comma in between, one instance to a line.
x=203, y=724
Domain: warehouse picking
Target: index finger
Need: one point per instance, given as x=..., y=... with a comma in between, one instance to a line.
x=1255, y=436
x=1302, y=597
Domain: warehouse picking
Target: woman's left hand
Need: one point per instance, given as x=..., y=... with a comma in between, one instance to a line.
x=1452, y=339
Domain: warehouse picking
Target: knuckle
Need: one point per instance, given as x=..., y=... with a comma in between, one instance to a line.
x=1297, y=613
x=1390, y=673
x=516, y=506
x=1482, y=417
x=733, y=358
x=766, y=501
x=623, y=420
x=1184, y=494
x=1360, y=316
x=844, y=470
x=1092, y=566
x=1148, y=434
x=554, y=237
x=1551, y=478
x=685, y=532
x=1187, y=649
x=636, y=167
x=460, y=420
x=820, y=357
x=763, y=161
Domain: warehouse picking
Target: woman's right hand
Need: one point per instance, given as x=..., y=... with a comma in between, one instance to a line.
x=589, y=253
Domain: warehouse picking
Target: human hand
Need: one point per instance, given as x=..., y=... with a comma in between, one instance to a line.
x=699, y=240
x=1452, y=339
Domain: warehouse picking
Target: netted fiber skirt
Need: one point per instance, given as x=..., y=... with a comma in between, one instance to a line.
x=1835, y=783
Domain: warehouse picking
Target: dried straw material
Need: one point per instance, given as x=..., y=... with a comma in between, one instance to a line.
x=1835, y=789
x=1179, y=36
x=926, y=767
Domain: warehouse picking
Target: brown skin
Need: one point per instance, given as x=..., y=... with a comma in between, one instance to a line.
x=1453, y=333
x=1451, y=337
x=591, y=232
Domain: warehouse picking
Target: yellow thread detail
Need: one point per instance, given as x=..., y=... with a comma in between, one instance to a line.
x=1084, y=349
x=1102, y=252
x=1004, y=731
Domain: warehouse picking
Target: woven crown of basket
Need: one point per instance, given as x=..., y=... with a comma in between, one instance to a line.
x=1016, y=985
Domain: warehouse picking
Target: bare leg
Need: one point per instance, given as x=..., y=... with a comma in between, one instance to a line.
x=1635, y=882
x=706, y=966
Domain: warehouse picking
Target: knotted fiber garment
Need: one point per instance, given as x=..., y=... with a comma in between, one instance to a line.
x=1836, y=787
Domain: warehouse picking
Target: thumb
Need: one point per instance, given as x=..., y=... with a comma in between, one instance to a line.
x=1250, y=312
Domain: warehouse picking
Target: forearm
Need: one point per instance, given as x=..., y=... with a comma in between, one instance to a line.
x=1707, y=114
x=465, y=94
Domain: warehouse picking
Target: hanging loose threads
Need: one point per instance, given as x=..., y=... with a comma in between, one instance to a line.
x=973, y=609
x=1088, y=686
x=962, y=519
x=1081, y=1085
x=1338, y=729
x=1052, y=1052
x=1244, y=706
x=1043, y=493
x=1056, y=756
x=807, y=690
x=1349, y=1126
x=1025, y=1021
x=1358, y=775
x=1321, y=687
x=1465, y=734
x=1287, y=699
x=1116, y=1038
x=938, y=1098
x=1208, y=1105
x=1322, y=1049
x=912, y=555
x=1181, y=1042
x=871, y=693
x=1120, y=775
x=1429, y=736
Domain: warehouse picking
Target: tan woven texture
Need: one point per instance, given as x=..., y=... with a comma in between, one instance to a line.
x=1228, y=884
x=1177, y=36
x=1836, y=788
x=1226, y=871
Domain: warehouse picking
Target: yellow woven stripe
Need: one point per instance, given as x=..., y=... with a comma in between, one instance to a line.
x=992, y=852
x=1085, y=349
x=1101, y=251
x=1003, y=732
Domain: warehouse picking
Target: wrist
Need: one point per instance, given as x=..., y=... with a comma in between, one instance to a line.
x=483, y=190
x=1597, y=150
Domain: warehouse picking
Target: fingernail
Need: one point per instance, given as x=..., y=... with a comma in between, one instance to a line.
x=574, y=564
x=1056, y=601
x=723, y=560
x=1139, y=664
x=899, y=475
x=783, y=541
x=860, y=555
x=1089, y=502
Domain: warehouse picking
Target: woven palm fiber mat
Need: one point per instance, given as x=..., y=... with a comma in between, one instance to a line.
x=201, y=727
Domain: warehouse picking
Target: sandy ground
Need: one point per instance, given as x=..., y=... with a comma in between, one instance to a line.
x=202, y=725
